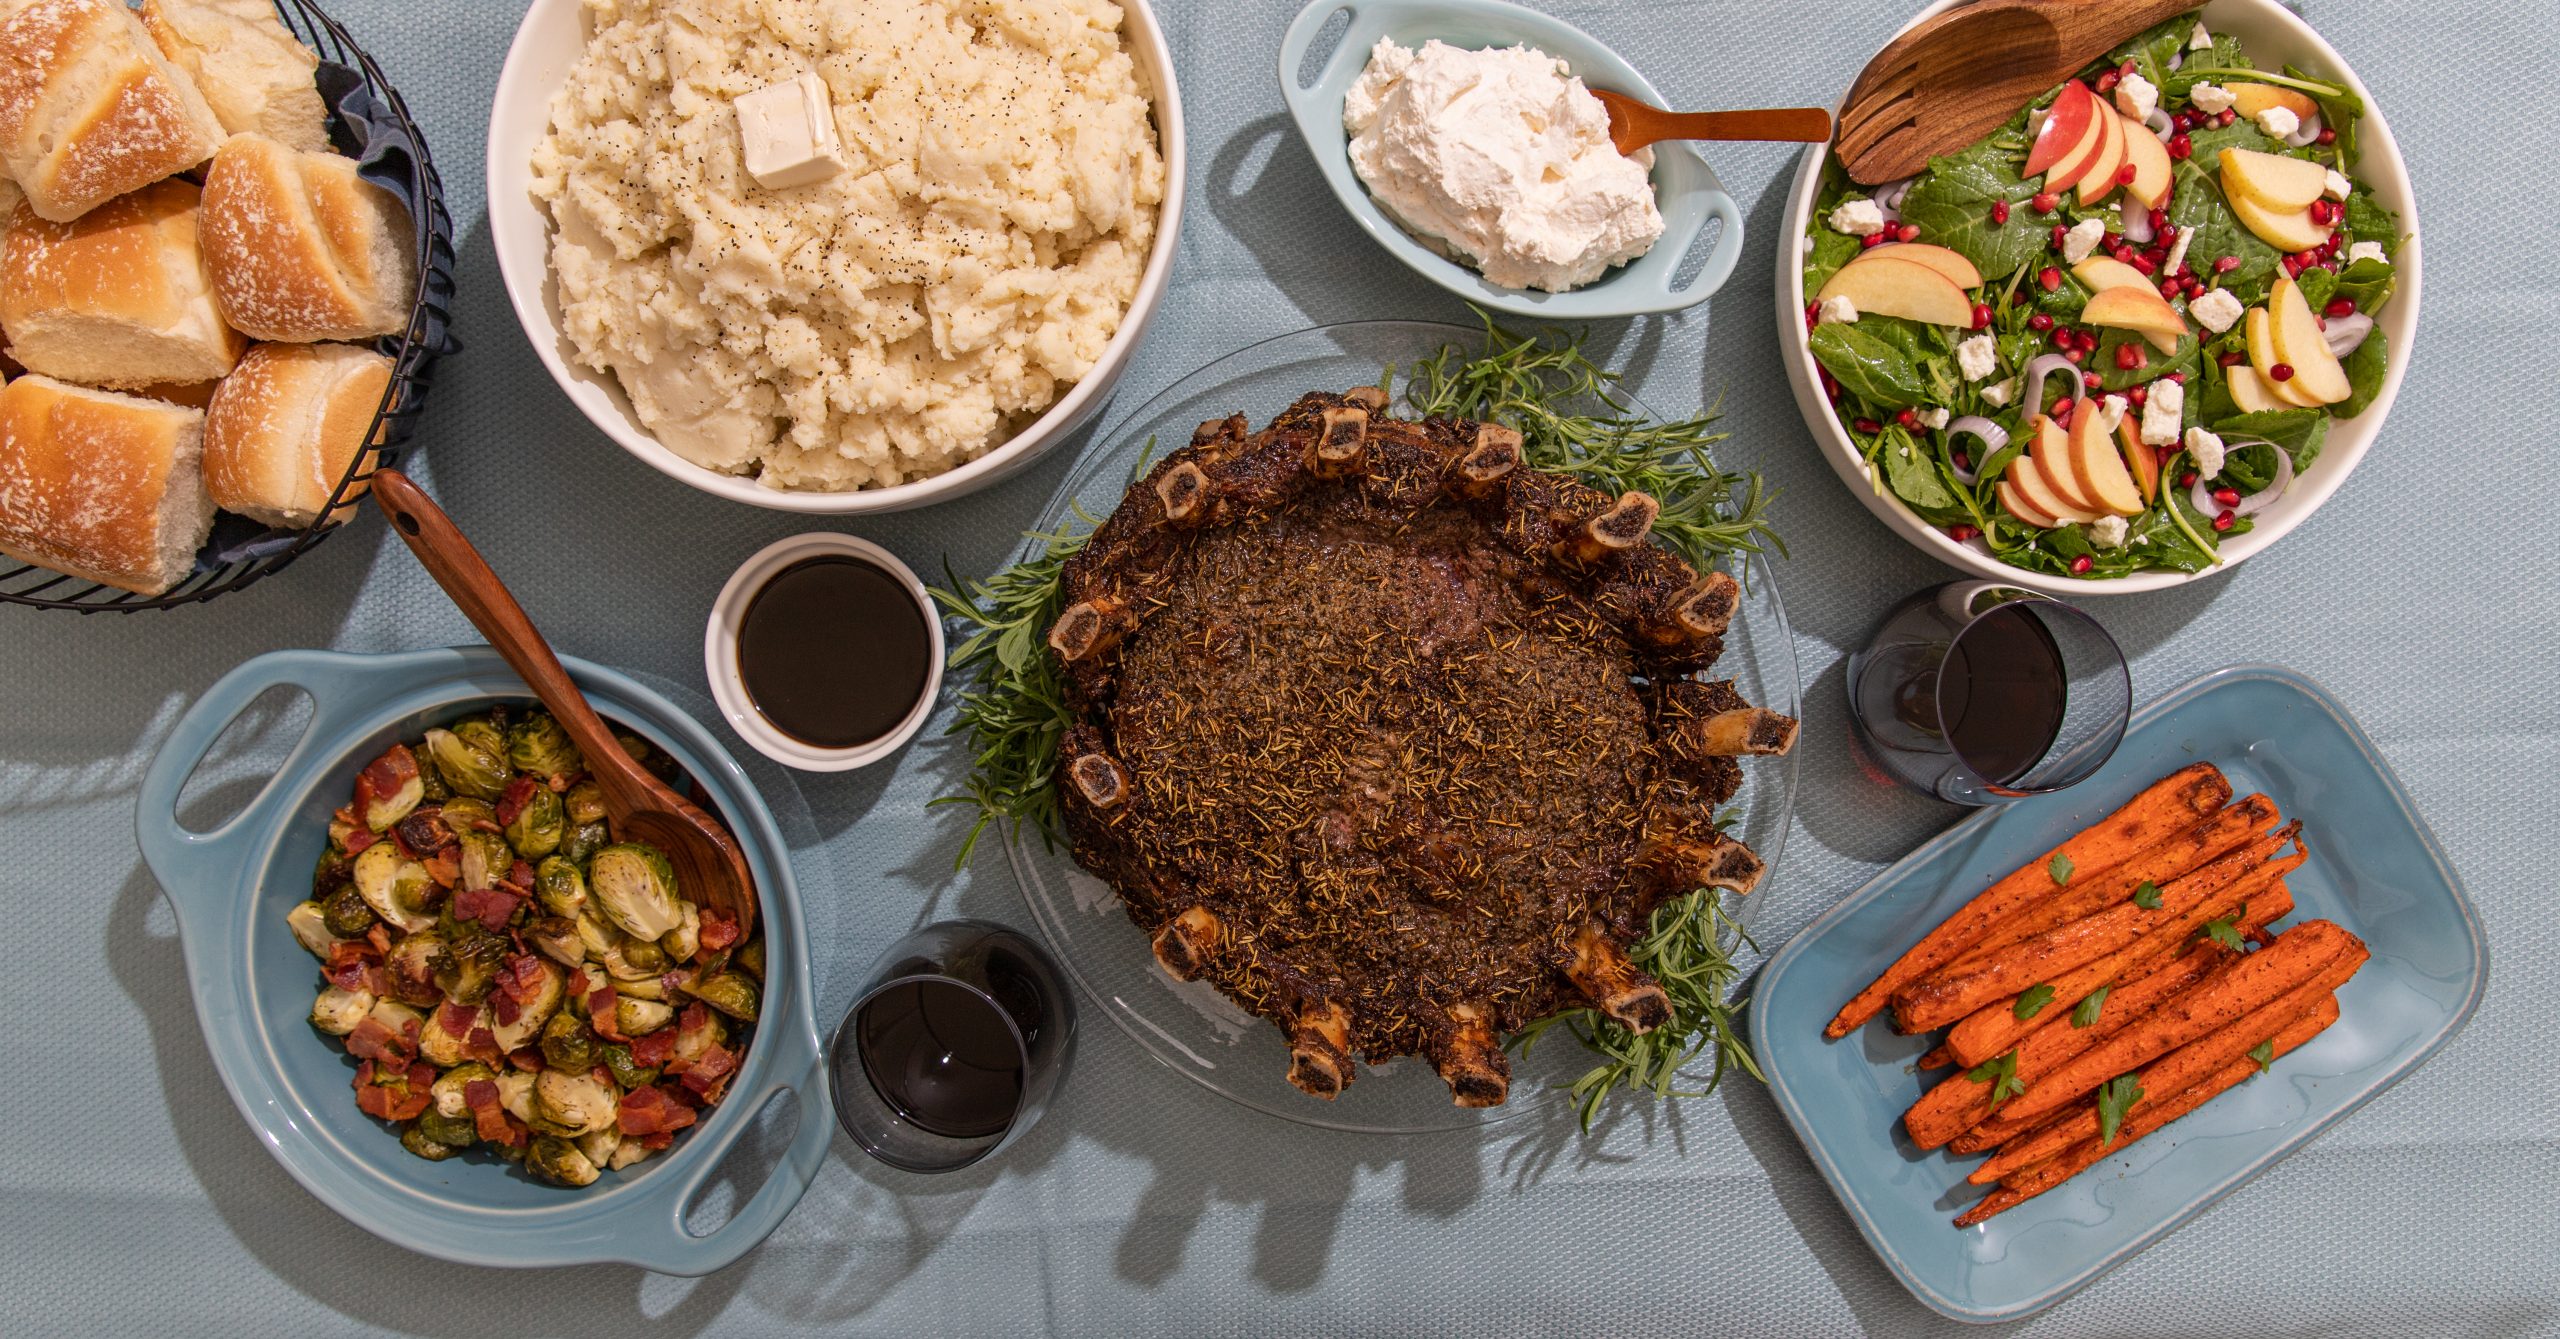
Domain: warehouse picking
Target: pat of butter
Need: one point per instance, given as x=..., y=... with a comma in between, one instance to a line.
x=790, y=134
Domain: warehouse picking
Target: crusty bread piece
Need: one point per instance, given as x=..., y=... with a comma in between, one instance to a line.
x=117, y=298
x=302, y=249
x=283, y=428
x=102, y=486
x=257, y=76
x=89, y=108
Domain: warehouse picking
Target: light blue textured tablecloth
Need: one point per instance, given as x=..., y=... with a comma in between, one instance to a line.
x=133, y=1200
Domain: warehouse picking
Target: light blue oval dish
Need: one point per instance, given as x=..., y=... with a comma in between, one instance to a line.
x=253, y=983
x=1690, y=197
x=2374, y=869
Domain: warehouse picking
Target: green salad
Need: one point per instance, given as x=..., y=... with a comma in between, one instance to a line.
x=2105, y=337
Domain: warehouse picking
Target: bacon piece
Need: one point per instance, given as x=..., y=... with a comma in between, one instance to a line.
x=519, y=793
x=372, y=1040
x=354, y=965
x=394, y=1096
x=507, y=1007
x=710, y=1072
x=489, y=1116
x=445, y=866
x=659, y=1142
x=520, y=877
x=651, y=1111
x=718, y=931
x=578, y=981
x=482, y=1045
x=651, y=1051
x=601, y=1003
x=459, y=1019
x=527, y=1058
x=361, y=838
x=491, y=907
x=521, y=977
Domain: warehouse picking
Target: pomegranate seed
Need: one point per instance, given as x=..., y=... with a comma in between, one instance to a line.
x=1909, y=418
x=2181, y=147
x=1961, y=533
x=2127, y=357
x=2145, y=264
x=1812, y=316
x=2226, y=118
x=1909, y=232
x=2223, y=522
x=1868, y=426
x=2226, y=264
x=1875, y=239
x=2160, y=455
x=2193, y=286
x=2049, y=279
x=2186, y=480
x=2178, y=377
x=1982, y=315
x=2293, y=266
x=2039, y=322
x=2160, y=223
x=2281, y=372
x=1999, y=211
x=2170, y=288
x=2058, y=231
x=2327, y=136
x=2183, y=121
x=2341, y=307
x=2075, y=355
x=2321, y=211
x=2089, y=383
x=2109, y=80
x=2233, y=359
x=2122, y=251
x=2126, y=174
x=2229, y=497
x=2137, y=396
x=1963, y=461
x=2018, y=299
x=2080, y=566
x=2045, y=202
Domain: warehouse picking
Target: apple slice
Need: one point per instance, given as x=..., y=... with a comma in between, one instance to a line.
x=1952, y=264
x=2015, y=499
x=2099, y=180
x=1889, y=287
x=2037, y=489
x=2050, y=449
x=2062, y=171
x=2301, y=343
x=2263, y=358
x=2069, y=120
x=2140, y=460
x=2139, y=309
x=2285, y=230
x=2249, y=391
x=2102, y=473
x=2101, y=273
x=2250, y=99
x=2279, y=184
x=2150, y=159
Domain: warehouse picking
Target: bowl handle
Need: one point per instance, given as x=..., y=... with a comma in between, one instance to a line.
x=1293, y=54
x=1721, y=258
x=658, y=1239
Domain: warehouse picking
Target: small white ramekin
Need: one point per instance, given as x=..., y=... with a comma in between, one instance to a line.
x=729, y=688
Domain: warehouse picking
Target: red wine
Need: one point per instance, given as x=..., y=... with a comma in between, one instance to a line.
x=2001, y=694
x=943, y=1058
x=834, y=651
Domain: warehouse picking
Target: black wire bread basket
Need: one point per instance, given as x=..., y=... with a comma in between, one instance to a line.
x=370, y=123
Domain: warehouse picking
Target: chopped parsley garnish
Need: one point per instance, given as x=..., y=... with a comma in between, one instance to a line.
x=2091, y=1004
x=2031, y=1002
x=2264, y=1053
x=2115, y=1098
x=2001, y=1072
x=2225, y=932
x=2147, y=896
x=2060, y=868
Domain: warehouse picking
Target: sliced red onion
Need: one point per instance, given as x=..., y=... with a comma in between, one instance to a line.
x=2346, y=333
x=2031, y=389
x=2308, y=131
x=2160, y=124
x=2202, y=494
x=1994, y=439
x=2137, y=221
x=2177, y=59
x=1888, y=198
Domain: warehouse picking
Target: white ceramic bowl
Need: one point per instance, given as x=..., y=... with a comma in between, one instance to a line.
x=547, y=44
x=2273, y=36
x=729, y=686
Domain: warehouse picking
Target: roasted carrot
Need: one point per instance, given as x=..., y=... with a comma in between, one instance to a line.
x=1996, y=1026
x=1937, y=1059
x=2169, y=804
x=2296, y=956
x=2086, y=1154
x=1944, y=997
x=2157, y=864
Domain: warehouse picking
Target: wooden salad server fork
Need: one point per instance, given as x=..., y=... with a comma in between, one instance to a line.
x=1633, y=124
x=709, y=867
x=1954, y=79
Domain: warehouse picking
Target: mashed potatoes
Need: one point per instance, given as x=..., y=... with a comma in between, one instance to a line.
x=970, y=263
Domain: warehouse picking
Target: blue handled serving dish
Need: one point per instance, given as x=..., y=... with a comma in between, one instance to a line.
x=253, y=983
x=1684, y=186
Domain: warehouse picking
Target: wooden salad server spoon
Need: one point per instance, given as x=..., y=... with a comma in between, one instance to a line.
x=1633, y=124
x=1954, y=79
x=709, y=867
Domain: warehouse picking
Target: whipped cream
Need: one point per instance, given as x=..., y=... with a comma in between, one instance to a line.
x=1500, y=159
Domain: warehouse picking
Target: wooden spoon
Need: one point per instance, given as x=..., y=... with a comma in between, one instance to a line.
x=1633, y=124
x=710, y=869
x=1954, y=79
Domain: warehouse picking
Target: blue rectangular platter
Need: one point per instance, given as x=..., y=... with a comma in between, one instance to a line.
x=2374, y=869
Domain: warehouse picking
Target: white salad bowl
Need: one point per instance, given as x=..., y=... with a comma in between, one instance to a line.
x=2273, y=36
x=547, y=44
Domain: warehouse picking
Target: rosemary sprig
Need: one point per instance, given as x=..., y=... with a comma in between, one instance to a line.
x=1690, y=950
x=1015, y=712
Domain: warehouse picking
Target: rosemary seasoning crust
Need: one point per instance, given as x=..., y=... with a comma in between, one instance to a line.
x=1394, y=739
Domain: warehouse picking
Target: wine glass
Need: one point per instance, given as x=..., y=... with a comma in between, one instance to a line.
x=1981, y=693
x=954, y=1047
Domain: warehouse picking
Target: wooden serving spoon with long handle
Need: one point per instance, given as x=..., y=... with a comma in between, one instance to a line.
x=1954, y=79
x=1633, y=124
x=710, y=869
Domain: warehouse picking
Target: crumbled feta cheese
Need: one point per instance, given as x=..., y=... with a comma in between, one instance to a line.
x=2217, y=309
x=1977, y=358
x=2206, y=449
x=2178, y=251
x=2366, y=251
x=1933, y=418
x=1998, y=392
x=1809, y=240
x=2083, y=239
x=2200, y=40
x=1837, y=311
x=2337, y=186
x=2278, y=122
x=2213, y=99
x=2111, y=412
x=1858, y=218
x=2107, y=532
x=2137, y=97
x=2161, y=411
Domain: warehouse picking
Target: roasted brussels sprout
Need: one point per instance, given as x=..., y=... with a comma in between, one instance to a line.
x=584, y=840
x=626, y=1070
x=345, y=913
x=425, y=832
x=447, y=1091
x=538, y=827
x=596, y=935
x=601, y=1145
x=414, y=1138
x=463, y=814
x=443, y=1046
x=561, y=887
x=411, y=966
x=339, y=1009
x=469, y=964
x=515, y=1094
x=684, y=941
x=638, y=1017
x=390, y=788
x=402, y=1020
x=538, y=745
x=532, y=1014
x=750, y=957
x=556, y=938
x=692, y=1042
x=451, y=1131
x=732, y=993
x=628, y=1152
x=636, y=889
x=558, y=1160
x=635, y=957
x=431, y=786
x=572, y=1103
x=583, y=804
x=310, y=926
x=395, y=887
x=486, y=859
x=334, y=870
x=471, y=768
x=567, y=1044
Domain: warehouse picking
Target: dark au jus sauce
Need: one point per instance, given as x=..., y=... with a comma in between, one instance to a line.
x=834, y=651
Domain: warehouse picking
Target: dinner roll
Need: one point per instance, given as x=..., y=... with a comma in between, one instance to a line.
x=89, y=108
x=282, y=429
x=117, y=298
x=102, y=486
x=302, y=249
x=257, y=76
